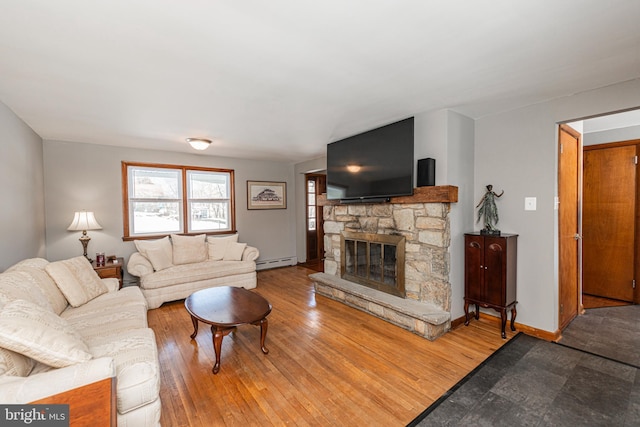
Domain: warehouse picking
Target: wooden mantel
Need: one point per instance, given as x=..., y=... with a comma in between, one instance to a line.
x=432, y=194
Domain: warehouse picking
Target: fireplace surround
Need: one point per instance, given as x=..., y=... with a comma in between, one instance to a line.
x=422, y=220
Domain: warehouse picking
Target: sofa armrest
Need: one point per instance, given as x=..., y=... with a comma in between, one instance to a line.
x=250, y=253
x=138, y=265
x=112, y=284
x=16, y=390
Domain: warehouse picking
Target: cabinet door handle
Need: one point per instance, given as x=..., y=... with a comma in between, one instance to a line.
x=485, y=268
x=481, y=267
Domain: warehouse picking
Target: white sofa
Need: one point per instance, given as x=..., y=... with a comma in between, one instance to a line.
x=62, y=327
x=173, y=268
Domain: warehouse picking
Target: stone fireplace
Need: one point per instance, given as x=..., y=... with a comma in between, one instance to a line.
x=421, y=223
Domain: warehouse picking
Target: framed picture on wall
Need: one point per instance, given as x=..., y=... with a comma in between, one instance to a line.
x=266, y=195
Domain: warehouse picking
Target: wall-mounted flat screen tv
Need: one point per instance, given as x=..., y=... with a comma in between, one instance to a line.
x=377, y=164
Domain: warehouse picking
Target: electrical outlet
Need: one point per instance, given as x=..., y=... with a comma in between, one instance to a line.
x=530, y=203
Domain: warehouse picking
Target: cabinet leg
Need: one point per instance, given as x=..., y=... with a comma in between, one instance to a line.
x=513, y=317
x=503, y=323
x=477, y=312
x=466, y=313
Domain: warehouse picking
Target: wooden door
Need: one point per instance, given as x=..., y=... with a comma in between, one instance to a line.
x=316, y=184
x=569, y=166
x=474, y=267
x=495, y=259
x=609, y=221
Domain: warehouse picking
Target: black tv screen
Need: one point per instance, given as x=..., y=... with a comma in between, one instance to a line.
x=373, y=164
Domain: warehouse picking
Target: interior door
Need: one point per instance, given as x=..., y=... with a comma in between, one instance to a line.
x=569, y=164
x=609, y=221
x=316, y=185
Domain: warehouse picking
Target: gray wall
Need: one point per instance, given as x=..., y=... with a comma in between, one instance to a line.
x=517, y=151
x=88, y=176
x=22, y=222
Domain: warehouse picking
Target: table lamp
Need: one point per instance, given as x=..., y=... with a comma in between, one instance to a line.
x=83, y=221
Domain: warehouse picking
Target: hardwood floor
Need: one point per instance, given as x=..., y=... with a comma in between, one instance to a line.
x=328, y=364
x=592, y=301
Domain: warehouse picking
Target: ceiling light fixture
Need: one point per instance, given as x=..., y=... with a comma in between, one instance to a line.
x=199, y=143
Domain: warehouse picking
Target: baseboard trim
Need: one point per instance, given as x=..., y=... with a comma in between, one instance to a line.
x=529, y=330
x=275, y=263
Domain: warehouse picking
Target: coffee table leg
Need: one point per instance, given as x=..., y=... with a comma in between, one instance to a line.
x=195, y=327
x=264, y=325
x=217, y=347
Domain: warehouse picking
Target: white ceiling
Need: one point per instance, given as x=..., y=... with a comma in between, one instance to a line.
x=280, y=79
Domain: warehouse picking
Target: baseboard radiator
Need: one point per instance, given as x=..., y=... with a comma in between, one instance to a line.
x=264, y=264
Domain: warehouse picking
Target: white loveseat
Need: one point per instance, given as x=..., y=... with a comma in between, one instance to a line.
x=62, y=327
x=173, y=268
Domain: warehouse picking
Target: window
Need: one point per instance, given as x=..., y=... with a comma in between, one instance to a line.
x=165, y=199
x=311, y=204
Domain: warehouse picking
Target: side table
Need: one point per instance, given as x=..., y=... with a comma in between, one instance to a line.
x=110, y=269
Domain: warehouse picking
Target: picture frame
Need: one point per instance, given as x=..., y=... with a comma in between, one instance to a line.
x=266, y=195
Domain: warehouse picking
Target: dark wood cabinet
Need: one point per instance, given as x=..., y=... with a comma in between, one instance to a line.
x=490, y=275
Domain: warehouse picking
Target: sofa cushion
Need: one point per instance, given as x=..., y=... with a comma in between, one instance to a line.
x=77, y=280
x=159, y=258
x=189, y=273
x=136, y=358
x=16, y=285
x=188, y=249
x=234, y=251
x=42, y=280
x=110, y=302
x=217, y=246
x=28, y=329
x=164, y=244
x=39, y=263
x=15, y=364
x=109, y=322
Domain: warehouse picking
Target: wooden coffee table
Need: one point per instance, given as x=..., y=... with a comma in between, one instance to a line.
x=225, y=308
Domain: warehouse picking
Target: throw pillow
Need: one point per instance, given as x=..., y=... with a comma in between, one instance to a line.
x=164, y=244
x=159, y=259
x=189, y=249
x=32, y=331
x=218, y=246
x=16, y=285
x=234, y=251
x=15, y=364
x=76, y=279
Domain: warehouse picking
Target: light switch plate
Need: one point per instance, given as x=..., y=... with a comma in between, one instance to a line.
x=530, y=203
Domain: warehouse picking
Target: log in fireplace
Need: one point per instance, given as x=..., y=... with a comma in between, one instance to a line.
x=374, y=260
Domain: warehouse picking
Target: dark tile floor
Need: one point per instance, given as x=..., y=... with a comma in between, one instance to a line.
x=530, y=382
x=612, y=332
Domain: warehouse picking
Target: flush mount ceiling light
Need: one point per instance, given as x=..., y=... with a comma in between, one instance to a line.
x=199, y=143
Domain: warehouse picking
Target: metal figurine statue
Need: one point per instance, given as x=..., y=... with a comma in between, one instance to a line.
x=489, y=209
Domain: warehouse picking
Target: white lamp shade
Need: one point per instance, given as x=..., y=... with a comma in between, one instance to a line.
x=83, y=221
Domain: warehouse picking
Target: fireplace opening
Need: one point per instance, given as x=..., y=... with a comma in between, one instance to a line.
x=374, y=260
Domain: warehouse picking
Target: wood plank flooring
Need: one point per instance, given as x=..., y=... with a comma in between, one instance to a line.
x=328, y=364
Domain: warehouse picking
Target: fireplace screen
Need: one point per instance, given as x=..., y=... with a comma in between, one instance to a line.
x=374, y=260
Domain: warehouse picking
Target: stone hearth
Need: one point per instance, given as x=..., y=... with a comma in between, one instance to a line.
x=425, y=226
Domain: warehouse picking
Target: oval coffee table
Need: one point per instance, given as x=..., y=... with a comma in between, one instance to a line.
x=225, y=308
